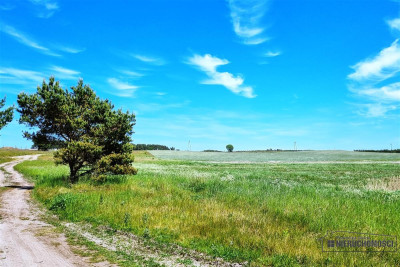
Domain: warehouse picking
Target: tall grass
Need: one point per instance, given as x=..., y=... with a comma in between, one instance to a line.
x=265, y=214
x=7, y=154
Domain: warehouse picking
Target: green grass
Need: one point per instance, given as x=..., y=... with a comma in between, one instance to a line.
x=6, y=154
x=265, y=214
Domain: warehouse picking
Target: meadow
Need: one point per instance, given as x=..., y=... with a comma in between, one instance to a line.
x=276, y=156
x=262, y=209
x=7, y=153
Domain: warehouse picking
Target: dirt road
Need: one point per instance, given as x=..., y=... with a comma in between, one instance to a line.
x=25, y=240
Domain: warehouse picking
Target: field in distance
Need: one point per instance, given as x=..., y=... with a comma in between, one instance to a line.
x=261, y=214
x=277, y=156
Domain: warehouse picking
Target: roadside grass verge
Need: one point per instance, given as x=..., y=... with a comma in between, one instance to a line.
x=262, y=214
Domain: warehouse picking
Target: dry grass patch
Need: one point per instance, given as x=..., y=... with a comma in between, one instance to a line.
x=389, y=184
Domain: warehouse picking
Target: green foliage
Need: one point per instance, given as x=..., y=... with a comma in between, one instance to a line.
x=229, y=148
x=114, y=164
x=84, y=129
x=152, y=147
x=60, y=202
x=5, y=115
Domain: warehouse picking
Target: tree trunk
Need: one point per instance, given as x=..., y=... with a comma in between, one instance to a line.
x=73, y=173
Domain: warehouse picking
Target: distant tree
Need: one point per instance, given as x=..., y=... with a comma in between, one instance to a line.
x=151, y=147
x=229, y=148
x=91, y=137
x=5, y=115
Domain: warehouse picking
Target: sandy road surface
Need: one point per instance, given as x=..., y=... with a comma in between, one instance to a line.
x=25, y=240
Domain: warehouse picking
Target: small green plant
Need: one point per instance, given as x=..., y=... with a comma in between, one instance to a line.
x=60, y=202
x=127, y=218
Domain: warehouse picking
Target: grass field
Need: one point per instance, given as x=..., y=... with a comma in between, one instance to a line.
x=6, y=154
x=265, y=214
x=279, y=156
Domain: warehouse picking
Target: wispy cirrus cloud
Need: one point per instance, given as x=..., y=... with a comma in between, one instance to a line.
x=246, y=18
x=130, y=73
x=45, y=8
x=150, y=59
x=70, y=50
x=372, y=79
x=375, y=109
x=20, y=76
x=272, y=54
x=24, y=39
x=209, y=64
x=64, y=73
x=123, y=89
x=32, y=78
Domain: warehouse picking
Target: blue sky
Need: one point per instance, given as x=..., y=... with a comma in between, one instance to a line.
x=257, y=73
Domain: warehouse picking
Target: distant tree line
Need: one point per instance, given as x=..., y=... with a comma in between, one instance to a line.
x=379, y=150
x=152, y=147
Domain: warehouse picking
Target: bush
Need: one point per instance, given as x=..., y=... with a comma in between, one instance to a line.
x=115, y=164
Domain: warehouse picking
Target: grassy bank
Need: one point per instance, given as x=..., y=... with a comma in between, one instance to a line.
x=265, y=214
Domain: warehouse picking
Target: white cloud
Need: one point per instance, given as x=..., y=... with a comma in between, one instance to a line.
x=117, y=84
x=383, y=66
x=385, y=93
x=45, y=8
x=149, y=59
x=255, y=41
x=272, y=54
x=132, y=73
x=394, y=24
x=20, y=76
x=23, y=39
x=376, y=109
x=209, y=64
x=246, y=18
x=369, y=78
x=245, y=32
x=63, y=73
x=70, y=50
x=152, y=107
x=124, y=89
